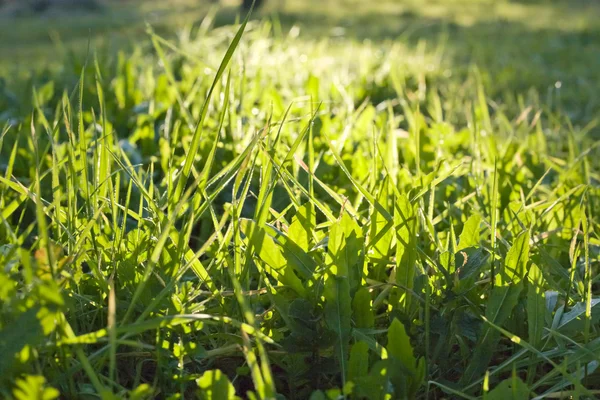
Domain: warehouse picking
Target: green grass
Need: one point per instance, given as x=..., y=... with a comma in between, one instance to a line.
x=298, y=214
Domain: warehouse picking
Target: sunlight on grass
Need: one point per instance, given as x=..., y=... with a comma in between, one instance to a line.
x=368, y=202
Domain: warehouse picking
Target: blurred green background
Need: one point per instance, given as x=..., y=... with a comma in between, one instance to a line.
x=551, y=46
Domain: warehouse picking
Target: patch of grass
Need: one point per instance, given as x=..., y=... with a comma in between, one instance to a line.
x=271, y=214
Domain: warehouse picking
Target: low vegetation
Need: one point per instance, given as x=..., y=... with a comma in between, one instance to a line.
x=247, y=211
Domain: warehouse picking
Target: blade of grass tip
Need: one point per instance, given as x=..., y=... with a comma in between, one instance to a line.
x=265, y=191
x=3, y=133
x=195, y=143
x=82, y=162
x=284, y=175
x=370, y=198
x=299, y=139
x=342, y=202
x=104, y=167
x=537, y=184
x=268, y=185
x=211, y=156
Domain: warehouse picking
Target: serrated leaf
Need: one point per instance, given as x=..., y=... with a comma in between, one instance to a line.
x=302, y=320
x=358, y=365
x=400, y=349
x=399, y=345
x=302, y=227
x=515, y=265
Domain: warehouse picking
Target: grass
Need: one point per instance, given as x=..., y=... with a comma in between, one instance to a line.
x=256, y=211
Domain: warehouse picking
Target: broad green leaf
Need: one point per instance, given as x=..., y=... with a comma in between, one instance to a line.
x=399, y=346
x=515, y=265
x=375, y=385
x=273, y=255
x=536, y=306
x=358, y=365
x=366, y=336
x=381, y=232
x=345, y=255
x=362, y=309
x=287, y=251
x=400, y=349
x=214, y=385
x=406, y=252
x=338, y=316
x=318, y=395
x=303, y=225
x=303, y=263
x=470, y=233
x=510, y=389
x=302, y=320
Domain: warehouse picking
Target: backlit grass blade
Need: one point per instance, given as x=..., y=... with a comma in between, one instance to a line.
x=193, y=149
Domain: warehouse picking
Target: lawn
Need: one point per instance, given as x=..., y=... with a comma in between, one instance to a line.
x=332, y=199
